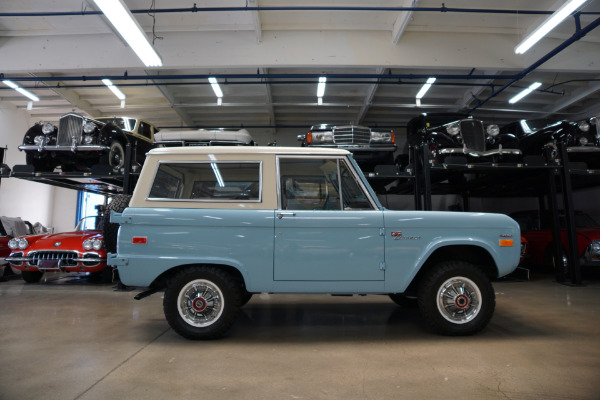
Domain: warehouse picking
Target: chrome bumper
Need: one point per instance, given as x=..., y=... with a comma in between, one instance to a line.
x=583, y=149
x=83, y=147
x=474, y=153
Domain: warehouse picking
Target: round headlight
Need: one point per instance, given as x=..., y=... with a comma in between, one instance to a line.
x=87, y=139
x=13, y=244
x=89, y=127
x=453, y=129
x=97, y=244
x=48, y=128
x=88, y=244
x=583, y=126
x=596, y=245
x=38, y=140
x=583, y=141
x=23, y=243
x=493, y=130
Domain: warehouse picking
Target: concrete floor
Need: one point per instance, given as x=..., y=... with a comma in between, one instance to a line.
x=67, y=338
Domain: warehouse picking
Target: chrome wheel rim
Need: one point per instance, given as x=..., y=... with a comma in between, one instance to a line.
x=200, y=303
x=459, y=300
x=116, y=157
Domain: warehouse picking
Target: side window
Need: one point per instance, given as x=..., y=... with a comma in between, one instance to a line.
x=207, y=181
x=314, y=184
x=145, y=130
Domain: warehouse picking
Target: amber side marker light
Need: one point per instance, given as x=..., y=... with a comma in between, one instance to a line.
x=139, y=240
x=506, y=242
x=309, y=137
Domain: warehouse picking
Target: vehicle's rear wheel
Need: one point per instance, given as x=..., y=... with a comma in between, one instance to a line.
x=201, y=302
x=32, y=276
x=109, y=229
x=116, y=156
x=457, y=298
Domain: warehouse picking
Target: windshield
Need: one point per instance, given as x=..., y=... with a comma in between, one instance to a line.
x=532, y=125
x=93, y=223
x=127, y=124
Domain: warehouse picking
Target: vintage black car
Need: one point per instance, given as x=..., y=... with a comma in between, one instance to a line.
x=460, y=135
x=369, y=146
x=79, y=142
x=543, y=136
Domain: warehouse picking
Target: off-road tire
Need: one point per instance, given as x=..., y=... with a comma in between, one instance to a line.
x=110, y=229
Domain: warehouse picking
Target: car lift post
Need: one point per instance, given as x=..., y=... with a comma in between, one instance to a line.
x=572, y=255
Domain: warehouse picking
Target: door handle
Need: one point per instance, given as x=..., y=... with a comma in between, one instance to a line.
x=285, y=214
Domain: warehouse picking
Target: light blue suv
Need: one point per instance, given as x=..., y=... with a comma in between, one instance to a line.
x=211, y=226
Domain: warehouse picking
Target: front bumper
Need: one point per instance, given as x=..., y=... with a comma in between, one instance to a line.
x=583, y=149
x=83, y=147
x=92, y=264
x=478, y=154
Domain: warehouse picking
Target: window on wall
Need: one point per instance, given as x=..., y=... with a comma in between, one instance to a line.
x=87, y=205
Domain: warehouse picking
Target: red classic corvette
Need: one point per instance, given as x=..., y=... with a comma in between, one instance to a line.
x=79, y=251
x=535, y=227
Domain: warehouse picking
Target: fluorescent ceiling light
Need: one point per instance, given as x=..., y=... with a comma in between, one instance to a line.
x=525, y=92
x=321, y=86
x=550, y=23
x=425, y=88
x=129, y=29
x=215, y=87
x=24, y=92
x=120, y=95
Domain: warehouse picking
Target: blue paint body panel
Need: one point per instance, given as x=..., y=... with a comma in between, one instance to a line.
x=377, y=251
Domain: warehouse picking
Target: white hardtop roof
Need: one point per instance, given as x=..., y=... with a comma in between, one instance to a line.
x=248, y=150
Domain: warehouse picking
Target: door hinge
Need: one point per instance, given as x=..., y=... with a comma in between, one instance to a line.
x=381, y=231
x=382, y=265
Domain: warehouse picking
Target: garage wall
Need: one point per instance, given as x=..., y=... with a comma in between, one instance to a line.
x=32, y=201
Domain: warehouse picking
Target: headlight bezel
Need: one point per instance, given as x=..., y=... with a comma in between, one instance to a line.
x=492, y=130
x=382, y=137
x=583, y=126
x=48, y=128
x=453, y=129
x=18, y=243
x=92, y=244
x=321, y=137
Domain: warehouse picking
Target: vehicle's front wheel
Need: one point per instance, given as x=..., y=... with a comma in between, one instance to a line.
x=32, y=276
x=110, y=230
x=457, y=298
x=201, y=302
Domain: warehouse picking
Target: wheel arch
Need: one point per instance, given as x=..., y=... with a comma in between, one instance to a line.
x=473, y=254
x=160, y=281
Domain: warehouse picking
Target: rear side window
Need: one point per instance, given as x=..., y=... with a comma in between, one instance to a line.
x=207, y=181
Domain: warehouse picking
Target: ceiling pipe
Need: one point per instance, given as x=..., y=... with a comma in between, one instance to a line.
x=195, y=9
x=579, y=33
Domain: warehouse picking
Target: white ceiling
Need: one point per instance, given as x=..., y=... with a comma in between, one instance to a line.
x=379, y=59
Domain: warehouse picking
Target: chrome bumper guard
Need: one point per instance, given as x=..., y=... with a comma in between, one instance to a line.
x=583, y=149
x=83, y=147
x=473, y=153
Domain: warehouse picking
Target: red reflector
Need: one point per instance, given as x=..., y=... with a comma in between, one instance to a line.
x=139, y=240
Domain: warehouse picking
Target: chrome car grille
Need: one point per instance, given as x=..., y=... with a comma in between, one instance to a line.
x=351, y=135
x=473, y=134
x=65, y=257
x=69, y=125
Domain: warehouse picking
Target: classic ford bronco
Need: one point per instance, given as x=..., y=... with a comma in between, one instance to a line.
x=211, y=226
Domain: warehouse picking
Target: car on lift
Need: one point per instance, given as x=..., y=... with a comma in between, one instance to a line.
x=204, y=137
x=449, y=134
x=369, y=146
x=536, y=227
x=79, y=142
x=541, y=137
x=79, y=251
